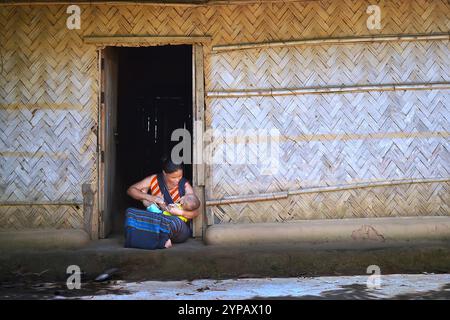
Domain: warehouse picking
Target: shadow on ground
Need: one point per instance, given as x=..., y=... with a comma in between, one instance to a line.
x=361, y=292
x=49, y=291
x=442, y=294
x=351, y=292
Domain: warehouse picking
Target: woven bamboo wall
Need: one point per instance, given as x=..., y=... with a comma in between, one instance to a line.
x=48, y=106
x=48, y=112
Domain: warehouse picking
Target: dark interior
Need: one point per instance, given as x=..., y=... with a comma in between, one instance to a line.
x=154, y=98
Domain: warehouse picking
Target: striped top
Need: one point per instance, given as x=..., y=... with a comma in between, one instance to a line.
x=155, y=191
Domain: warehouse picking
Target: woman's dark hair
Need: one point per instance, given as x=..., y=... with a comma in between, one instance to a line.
x=169, y=167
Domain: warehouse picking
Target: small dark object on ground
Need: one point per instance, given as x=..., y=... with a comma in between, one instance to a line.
x=106, y=275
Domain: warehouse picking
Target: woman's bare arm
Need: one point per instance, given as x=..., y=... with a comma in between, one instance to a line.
x=180, y=212
x=139, y=191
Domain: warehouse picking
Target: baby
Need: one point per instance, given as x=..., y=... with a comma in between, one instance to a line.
x=189, y=202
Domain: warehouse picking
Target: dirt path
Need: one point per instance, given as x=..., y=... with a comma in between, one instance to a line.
x=401, y=286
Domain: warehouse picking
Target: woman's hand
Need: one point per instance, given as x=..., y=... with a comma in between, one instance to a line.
x=139, y=191
x=163, y=206
x=153, y=199
x=158, y=200
x=146, y=203
x=173, y=209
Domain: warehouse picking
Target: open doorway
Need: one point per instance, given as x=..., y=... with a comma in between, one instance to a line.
x=153, y=98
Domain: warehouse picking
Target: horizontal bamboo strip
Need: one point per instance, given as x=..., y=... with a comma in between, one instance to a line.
x=285, y=194
x=377, y=135
x=249, y=198
x=331, y=89
x=41, y=106
x=151, y=3
x=40, y=203
x=247, y=2
x=107, y=3
x=250, y=136
x=368, y=185
x=326, y=41
x=37, y=154
x=134, y=39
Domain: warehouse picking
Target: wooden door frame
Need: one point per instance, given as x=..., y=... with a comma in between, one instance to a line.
x=198, y=129
x=105, y=140
x=198, y=112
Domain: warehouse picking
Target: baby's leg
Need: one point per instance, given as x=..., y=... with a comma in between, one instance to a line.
x=168, y=244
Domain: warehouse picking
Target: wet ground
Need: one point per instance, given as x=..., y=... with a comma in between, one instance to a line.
x=401, y=286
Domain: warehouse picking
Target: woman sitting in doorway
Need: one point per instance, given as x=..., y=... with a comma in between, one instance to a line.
x=171, y=192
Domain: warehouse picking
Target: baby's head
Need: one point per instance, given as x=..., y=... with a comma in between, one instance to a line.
x=190, y=202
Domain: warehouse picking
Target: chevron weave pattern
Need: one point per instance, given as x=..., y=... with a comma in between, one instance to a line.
x=330, y=65
x=42, y=216
x=330, y=139
x=49, y=110
x=402, y=200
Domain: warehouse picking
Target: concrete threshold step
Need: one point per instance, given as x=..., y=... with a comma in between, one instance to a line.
x=44, y=239
x=195, y=260
x=304, y=248
x=346, y=232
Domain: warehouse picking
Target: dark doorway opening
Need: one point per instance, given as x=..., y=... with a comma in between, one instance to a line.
x=154, y=98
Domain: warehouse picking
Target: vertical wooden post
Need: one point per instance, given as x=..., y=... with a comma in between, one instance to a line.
x=90, y=210
x=198, y=130
x=101, y=142
x=108, y=108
